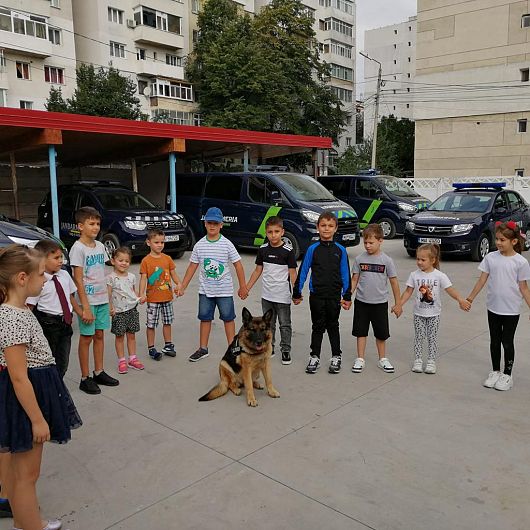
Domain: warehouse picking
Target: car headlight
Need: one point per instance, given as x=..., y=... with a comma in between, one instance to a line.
x=23, y=241
x=406, y=207
x=311, y=216
x=457, y=229
x=135, y=225
x=409, y=225
x=183, y=220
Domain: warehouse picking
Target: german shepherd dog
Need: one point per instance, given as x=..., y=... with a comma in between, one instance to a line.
x=247, y=356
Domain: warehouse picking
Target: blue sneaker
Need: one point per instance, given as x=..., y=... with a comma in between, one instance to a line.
x=154, y=354
x=169, y=350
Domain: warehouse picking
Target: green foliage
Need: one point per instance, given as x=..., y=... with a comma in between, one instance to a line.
x=355, y=158
x=101, y=92
x=263, y=73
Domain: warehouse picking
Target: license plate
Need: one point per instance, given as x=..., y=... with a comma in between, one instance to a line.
x=436, y=240
x=175, y=237
x=349, y=237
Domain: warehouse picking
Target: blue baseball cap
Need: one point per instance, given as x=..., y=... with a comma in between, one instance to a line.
x=214, y=214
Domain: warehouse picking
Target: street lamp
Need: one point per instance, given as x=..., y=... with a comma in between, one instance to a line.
x=376, y=115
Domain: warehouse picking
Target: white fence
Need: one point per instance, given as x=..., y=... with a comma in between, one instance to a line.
x=431, y=188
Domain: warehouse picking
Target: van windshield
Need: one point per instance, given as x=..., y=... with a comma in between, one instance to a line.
x=305, y=188
x=124, y=200
x=397, y=186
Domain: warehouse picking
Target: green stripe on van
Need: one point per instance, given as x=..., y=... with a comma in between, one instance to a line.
x=367, y=217
x=260, y=238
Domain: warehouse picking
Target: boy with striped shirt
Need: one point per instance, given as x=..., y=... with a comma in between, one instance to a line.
x=212, y=255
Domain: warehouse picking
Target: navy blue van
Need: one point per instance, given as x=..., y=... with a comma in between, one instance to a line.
x=382, y=199
x=247, y=200
x=126, y=216
x=462, y=221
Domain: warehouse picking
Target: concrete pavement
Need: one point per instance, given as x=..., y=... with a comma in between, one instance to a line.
x=347, y=451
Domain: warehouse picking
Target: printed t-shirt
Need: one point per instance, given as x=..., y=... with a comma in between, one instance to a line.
x=123, y=296
x=505, y=273
x=374, y=271
x=428, y=288
x=276, y=262
x=213, y=258
x=93, y=260
x=158, y=272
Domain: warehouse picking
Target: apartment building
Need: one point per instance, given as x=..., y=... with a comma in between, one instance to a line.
x=472, y=113
x=147, y=42
x=394, y=47
x=36, y=51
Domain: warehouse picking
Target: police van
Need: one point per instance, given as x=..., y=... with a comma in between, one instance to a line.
x=382, y=199
x=247, y=200
x=462, y=221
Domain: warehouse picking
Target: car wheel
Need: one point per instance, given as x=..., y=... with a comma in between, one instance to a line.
x=411, y=253
x=482, y=248
x=527, y=239
x=388, y=227
x=193, y=239
x=111, y=243
x=291, y=240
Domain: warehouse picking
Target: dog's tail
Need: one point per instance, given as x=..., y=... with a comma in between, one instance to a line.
x=217, y=391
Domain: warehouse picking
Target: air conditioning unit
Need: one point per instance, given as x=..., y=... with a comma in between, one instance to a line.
x=131, y=23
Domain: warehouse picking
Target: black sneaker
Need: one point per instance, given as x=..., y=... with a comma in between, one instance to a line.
x=198, y=355
x=5, y=509
x=155, y=355
x=286, y=357
x=89, y=386
x=313, y=365
x=334, y=365
x=105, y=379
x=169, y=350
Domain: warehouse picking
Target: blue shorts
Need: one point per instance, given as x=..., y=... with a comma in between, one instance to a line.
x=102, y=314
x=224, y=303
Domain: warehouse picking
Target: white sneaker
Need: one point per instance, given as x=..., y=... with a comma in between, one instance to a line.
x=418, y=366
x=385, y=365
x=430, y=367
x=505, y=382
x=358, y=365
x=493, y=377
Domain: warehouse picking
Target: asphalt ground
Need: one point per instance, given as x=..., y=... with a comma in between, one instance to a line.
x=348, y=451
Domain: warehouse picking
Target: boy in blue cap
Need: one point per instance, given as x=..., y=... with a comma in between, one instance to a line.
x=212, y=254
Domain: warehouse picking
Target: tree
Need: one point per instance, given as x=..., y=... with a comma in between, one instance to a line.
x=395, y=146
x=263, y=73
x=355, y=158
x=101, y=92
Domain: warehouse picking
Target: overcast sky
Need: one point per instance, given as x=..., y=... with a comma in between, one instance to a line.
x=376, y=13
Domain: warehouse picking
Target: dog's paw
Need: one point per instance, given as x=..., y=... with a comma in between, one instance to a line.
x=235, y=390
x=252, y=402
x=257, y=384
x=273, y=393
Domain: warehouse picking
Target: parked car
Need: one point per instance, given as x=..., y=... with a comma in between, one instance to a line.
x=126, y=216
x=462, y=221
x=382, y=199
x=247, y=200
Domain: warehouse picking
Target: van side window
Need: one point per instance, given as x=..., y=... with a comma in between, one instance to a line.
x=86, y=200
x=337, y=186
x=256, y=189
x=68, y=201
x=227, y=188
x=513, y=199
x=192, y=185
x=367, y=189
x=500, y=201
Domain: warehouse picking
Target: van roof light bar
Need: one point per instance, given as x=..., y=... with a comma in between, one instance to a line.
x=484, y=185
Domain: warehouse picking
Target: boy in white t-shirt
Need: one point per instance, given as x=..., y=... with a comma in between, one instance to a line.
x=212, y=254
x=277, y=262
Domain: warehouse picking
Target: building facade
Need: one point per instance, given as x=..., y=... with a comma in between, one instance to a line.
x=473, y=61
x=37, y=51
x=395, y=48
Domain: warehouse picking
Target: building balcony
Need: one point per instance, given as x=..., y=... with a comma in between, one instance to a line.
x=159, y=69
x=27, y=45
x=149, y=35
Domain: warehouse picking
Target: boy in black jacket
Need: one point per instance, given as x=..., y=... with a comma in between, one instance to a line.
x=329, y=288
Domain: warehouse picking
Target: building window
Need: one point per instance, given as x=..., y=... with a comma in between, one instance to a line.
x=3, y=97
x=408, y=89
x=395, y=32
x=522, y=125
x=394, y=107
x=54, y=75
x=142, y=85
x=519, y=172
x=115, y=15
x=55, y=3
x=348, y=141
x=28, y=105
x=334, y=24
x=525, y=21
x=408, y=75
x=3, y=62
x=169, y=89
x=410, y=43
x=173, y=60
x=409, y=60
x=23, y=23
x=158, y=19
x=197, y=120
x=342, y=93
x=408, y=106
x=525, y=75
x=54, y=35
x=341, y=72
x=117, y=49
x=410, y=28
x=346, y=6
x=348, y=119
x=395, y=62
x=195, y=36
x=337, y=48
x=195, y=6
x=140, y=54
x=174, y=116
x=395, y=46
x=22, y=70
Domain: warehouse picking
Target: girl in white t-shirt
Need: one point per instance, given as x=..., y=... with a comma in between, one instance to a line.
x=427, y=284
x=506, y=272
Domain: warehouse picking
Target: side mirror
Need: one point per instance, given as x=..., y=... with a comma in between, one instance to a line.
x=276, y=197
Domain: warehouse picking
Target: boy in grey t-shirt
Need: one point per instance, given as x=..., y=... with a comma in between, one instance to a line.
x=371, y=272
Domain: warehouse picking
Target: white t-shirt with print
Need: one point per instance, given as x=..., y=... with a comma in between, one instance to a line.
x=214, y=258
x=428, y=287
x=505, y=273
x=124, y=297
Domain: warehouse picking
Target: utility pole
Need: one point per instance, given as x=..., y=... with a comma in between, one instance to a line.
x=376, y=113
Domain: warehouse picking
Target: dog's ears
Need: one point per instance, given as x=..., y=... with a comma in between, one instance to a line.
x=268, y=316
x=247, y=317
